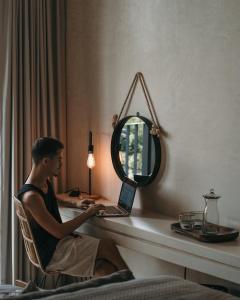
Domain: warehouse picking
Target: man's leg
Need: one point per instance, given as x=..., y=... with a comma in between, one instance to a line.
x=109, y=255
x=103, y=267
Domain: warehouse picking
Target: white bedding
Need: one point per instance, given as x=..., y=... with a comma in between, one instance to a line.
x=150, y=289
x=7, y=289
x=161, y=287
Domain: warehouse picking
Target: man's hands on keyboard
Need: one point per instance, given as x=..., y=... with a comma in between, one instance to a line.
x=90, y=207
x=86, y=203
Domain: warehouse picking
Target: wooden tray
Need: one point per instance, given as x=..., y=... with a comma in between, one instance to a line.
x=224, y=234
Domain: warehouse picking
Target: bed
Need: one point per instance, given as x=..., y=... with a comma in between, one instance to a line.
x=118, y=286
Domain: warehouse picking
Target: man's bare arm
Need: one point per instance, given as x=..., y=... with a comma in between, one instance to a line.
x=82, y=204
x=36, y=206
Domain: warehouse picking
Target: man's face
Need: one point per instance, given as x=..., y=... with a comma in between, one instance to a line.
x=55, y=163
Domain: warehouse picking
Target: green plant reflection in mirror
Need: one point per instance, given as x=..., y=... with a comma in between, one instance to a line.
x=136, y=151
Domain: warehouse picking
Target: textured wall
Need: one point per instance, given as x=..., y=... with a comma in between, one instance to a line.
x=188, y=51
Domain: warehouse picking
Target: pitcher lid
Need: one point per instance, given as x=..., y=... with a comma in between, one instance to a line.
x=211, y=195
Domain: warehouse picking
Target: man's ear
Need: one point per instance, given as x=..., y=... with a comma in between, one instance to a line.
x=45, y=161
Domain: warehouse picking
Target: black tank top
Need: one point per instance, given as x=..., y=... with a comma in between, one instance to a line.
x=45, y=242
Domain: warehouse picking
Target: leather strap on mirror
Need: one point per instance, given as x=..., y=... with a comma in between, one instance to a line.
x=156, y=128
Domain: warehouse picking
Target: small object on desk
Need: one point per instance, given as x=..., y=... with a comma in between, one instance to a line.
x=223, y=234
x=74, y=193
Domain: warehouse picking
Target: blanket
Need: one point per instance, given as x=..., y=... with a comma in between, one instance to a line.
x=160, y=287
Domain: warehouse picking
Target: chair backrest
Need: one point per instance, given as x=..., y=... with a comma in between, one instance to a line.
x=27, y=234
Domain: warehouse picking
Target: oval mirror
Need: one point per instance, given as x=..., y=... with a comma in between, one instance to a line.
x=136, y=154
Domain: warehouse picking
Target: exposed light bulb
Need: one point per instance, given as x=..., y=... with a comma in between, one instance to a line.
x=91, y=161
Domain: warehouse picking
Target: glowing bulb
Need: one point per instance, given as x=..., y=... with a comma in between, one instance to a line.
x=91, y=161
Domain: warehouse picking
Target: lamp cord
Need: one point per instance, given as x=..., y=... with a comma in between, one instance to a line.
x=90, y=181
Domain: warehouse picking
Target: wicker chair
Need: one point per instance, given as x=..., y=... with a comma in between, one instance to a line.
x=29, y=243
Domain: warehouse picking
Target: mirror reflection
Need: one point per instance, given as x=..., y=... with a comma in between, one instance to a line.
x=136, y=149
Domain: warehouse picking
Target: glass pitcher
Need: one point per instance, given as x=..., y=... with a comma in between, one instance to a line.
x=211, y=214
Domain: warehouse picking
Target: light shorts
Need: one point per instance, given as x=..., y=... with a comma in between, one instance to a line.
x=75, y=256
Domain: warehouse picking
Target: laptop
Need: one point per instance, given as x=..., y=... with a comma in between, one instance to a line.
x=125, y=201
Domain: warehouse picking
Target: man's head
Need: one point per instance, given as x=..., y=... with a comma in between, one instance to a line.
x=47, y=152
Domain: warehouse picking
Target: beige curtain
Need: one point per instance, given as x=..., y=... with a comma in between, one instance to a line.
x=33, y=104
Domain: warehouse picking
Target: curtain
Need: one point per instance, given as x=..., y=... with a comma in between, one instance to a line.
x=33, y=104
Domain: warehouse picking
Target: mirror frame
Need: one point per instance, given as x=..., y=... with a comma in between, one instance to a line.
x=115, y=150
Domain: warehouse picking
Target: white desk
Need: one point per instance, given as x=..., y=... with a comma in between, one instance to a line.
x=150, y=234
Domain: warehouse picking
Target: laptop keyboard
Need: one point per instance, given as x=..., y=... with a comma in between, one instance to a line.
x=112, y=210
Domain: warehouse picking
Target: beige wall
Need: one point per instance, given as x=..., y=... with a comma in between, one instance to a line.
x=189, y=53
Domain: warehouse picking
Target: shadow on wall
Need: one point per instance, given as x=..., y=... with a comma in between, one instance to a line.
x=152, y=197
x=83, y=89
x=149, y=195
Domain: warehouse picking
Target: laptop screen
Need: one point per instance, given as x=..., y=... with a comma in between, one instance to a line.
x=127, y=195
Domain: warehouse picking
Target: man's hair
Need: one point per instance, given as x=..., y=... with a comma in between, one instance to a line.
x=45, y=147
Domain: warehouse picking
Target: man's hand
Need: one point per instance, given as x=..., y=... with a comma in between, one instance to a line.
x=94, y=208
x=75, y=235
x=86, y=203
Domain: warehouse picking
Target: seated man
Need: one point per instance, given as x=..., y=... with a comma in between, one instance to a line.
x=58, y=247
